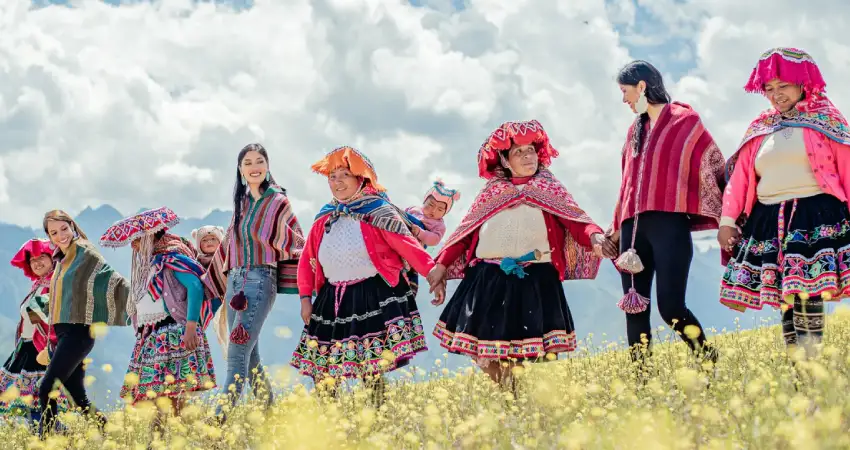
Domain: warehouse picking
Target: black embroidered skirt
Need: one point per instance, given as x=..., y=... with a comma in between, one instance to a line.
x=24, y=373
x=376, y=329
x=815, y=258
x=493, y=315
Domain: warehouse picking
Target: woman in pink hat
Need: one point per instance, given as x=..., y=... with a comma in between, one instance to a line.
x=785, y=225
x=22, y=371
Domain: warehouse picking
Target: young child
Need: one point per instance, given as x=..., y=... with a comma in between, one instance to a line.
x=428, y=224
x=207, y=240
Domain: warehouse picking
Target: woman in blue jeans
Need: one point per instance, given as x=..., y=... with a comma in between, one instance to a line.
x=256, y=261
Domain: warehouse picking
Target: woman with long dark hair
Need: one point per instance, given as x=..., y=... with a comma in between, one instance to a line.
x=259, y=253
x=671, y=186
x=785, y=217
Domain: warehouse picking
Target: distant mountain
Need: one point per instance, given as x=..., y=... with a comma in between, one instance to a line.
x=593, y=303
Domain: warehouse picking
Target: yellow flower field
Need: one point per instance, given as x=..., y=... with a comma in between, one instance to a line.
x=591, y=400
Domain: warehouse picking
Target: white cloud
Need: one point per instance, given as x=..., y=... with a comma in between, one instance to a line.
x=149, y=103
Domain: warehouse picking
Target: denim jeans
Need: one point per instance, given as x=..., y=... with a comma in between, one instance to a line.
x=260, y=287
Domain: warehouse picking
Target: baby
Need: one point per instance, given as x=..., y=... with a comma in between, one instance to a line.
x=207, y=239
x=428, y=224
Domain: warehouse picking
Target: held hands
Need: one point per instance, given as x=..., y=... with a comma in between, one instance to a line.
x=437, y=281
x=190, y=335
x=604, y=247
x=728, y=237
x=306, y=309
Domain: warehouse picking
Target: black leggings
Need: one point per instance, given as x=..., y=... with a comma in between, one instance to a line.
x=664, y=245
x=66, y=366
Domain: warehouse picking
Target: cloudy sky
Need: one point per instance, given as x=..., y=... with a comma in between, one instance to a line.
x=145, y=104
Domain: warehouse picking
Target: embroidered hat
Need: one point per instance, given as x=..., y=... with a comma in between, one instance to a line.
x=790, y=65
x=443, y=194
x=32, y=248
x=198, y=234
x=127, y=230
x=510, y=133
x=353, y=160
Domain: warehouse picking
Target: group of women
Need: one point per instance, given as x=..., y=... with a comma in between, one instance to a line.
x=783, y=224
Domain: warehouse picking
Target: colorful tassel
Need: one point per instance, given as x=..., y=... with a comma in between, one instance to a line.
x=239, y=335
x=633, y=303
x=239, y=302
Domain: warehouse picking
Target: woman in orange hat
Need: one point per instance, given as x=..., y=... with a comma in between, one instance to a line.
x=364, y=320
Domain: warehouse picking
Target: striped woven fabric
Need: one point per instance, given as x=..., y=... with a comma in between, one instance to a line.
x=85, y=289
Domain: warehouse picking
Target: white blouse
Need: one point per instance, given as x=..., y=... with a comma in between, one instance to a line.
x=343, y=253
x=512, y=233
x=783, y=167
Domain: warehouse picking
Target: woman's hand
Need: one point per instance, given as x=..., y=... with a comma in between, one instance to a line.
x=439, y=294
x=190, y=335
x=306, y=309
x=436, y=276
x=728, y=237
x=604, y=247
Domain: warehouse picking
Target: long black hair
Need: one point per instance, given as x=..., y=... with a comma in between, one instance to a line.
x=240, y=191
x=656, y=94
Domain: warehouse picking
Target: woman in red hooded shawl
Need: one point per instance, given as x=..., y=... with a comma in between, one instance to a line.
x=785, y=225
x=523, y=235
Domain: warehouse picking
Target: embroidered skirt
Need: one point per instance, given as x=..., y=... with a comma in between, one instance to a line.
x=493, y=315
x=376, y=328
x=813, y=259
x=163, y=365
x=24, y=373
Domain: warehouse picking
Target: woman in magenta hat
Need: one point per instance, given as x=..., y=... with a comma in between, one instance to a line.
x=22, y=371
x=171, y=357
x=785, y=225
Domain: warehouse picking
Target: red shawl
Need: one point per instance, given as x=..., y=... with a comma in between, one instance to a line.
x=683, y=173
x=543, y=191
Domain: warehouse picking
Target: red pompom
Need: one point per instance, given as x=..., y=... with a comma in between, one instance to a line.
x=240, y=335
x=239, y=302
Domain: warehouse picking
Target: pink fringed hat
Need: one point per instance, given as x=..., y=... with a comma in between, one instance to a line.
x=32, y=248
x=790, y=65
x=519, y=133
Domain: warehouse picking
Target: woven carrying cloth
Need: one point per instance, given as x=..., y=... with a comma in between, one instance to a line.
x=127, y=230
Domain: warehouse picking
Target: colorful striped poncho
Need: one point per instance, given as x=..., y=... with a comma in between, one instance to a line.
x=85, y=289
x=268, y=234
